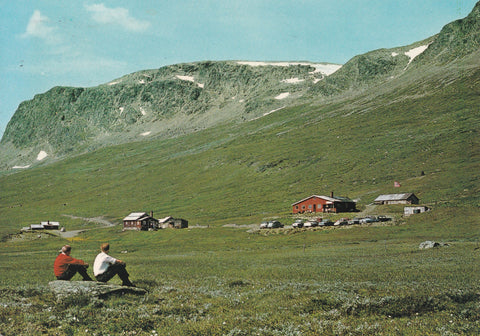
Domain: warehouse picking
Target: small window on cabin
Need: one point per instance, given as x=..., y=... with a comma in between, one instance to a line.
x=296, y=207
x=303, y=206
x=310, y=206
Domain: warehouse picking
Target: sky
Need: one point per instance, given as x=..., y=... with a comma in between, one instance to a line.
x=84, y=43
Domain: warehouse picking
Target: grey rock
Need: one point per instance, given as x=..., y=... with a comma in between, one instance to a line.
x=91, y=289
x=428, y=244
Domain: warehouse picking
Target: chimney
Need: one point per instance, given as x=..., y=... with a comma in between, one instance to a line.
x=331, y=194
x=151, y=213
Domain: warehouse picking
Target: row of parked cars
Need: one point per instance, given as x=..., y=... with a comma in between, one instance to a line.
x=299, y=223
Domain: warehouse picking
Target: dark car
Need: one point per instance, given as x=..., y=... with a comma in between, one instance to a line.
x=341, y=221
x=325, y=222
x=382, y=218
x=274, y=225
x=298, y=223
x=369, y=219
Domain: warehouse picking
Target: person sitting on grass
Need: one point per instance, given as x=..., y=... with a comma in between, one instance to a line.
x=65, y=266
x=106, y=267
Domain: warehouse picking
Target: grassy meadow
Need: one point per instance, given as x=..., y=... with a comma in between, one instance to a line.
x=237, y=281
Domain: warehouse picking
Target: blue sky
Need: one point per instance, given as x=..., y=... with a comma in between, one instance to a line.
x=45, y=43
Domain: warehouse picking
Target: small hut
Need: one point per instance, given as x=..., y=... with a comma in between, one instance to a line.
x=407, y=211
x=178, y=223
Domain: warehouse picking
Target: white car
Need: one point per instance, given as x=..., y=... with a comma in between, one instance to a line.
x=341, y=221
x=298, y=223
x=310, y=224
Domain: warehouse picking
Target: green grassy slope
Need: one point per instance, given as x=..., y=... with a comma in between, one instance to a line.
x=355, y=146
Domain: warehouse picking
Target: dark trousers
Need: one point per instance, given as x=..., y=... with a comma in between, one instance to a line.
x=73, y=269
x=112, y=270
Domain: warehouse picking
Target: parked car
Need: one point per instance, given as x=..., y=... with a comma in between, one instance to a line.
x=341, y=221
x=325, y=222
x=274, y=225
x=354, y=221
x=382, y=218
x=264, y=225
x=369, y=219
x=311, y=223
x=298, y=223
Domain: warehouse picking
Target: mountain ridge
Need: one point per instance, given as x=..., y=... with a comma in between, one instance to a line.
x=183, y=98
x=168, y=101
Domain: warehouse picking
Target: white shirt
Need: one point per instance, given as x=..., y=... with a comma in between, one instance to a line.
x=102, y=261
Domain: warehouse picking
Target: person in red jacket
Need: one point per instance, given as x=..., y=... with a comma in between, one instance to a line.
x=65, y=267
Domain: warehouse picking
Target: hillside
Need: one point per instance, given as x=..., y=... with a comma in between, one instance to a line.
x=165, y=102
x=184, y=98
x=389, y=115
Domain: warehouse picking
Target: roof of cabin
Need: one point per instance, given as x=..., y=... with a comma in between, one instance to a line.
x=328, y=199
x=394, y=197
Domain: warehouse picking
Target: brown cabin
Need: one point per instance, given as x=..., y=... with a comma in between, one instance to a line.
x=406, y=198
x=140, y=221
x=178, y=223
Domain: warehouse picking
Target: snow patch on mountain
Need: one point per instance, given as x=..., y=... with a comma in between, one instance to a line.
x=267, y=113
x=412, y=53
x=293, y=80
x=272, y=111
x=42, y=155
x=190, y=79
x=323, y=68
x=282, y=95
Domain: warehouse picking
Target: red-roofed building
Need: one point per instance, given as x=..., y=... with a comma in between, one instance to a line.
x=317, y=203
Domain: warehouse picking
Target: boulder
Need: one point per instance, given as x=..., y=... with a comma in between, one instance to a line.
x=428, y=244
x=91, y=289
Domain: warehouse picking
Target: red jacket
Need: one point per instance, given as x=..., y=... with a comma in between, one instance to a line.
x=62, y=261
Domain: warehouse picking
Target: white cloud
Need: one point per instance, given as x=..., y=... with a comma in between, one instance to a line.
x=38, y=26
x=119, y=16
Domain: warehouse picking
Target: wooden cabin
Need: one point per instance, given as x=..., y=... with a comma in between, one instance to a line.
x=140, y=221
x=406, y=198
x=315, y=203
x=178, y=223
x=51, y=225
x=48, y=225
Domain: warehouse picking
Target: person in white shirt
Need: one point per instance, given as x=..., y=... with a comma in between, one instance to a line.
x=106, y=267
